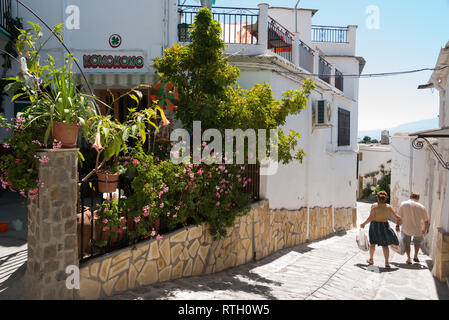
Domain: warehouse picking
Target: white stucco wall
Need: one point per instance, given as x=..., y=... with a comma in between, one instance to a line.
x=286, y=17
x=401, y=171
x=373, y=157
x=146, y=27
x=327, y=176
x=347, y=65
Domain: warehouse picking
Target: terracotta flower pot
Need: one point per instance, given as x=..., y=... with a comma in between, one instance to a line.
x=3, y=227
x=67, y=137
x=107, y=182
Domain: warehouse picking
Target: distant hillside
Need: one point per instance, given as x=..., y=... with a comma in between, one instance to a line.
x=406, y=127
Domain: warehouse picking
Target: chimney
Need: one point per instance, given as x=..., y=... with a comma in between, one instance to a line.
x=385, y=138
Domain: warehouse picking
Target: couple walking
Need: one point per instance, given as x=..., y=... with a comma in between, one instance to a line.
x=411, y=214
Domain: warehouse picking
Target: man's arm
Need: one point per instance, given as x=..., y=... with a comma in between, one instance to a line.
x=426, y=219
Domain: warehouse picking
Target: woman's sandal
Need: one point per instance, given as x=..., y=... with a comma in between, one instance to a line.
x=370, y=262
x=387, y=266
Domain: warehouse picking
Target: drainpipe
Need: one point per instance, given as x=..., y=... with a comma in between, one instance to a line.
x=296, y=16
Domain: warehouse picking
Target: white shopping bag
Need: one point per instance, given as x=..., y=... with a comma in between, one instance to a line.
x=400, y=248
x=362, y=240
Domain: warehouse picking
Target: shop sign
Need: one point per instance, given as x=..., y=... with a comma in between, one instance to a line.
x=112, y=62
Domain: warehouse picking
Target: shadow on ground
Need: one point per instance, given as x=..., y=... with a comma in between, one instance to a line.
x=442, y=288
x=12, y=271
x=237, y=279
x=375, y=269
x=415, y=266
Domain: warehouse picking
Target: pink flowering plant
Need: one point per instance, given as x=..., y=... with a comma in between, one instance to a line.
x=183, y=194
x=108, y=219
x=19, y=161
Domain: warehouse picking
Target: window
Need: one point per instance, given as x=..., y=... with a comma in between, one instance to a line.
x=344, y=127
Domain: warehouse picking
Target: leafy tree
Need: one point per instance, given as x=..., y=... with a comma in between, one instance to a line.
x=208, y=90
x=367, y=139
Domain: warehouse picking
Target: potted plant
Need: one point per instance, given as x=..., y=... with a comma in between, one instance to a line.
x=108, y=221
x=108, y=177
x=52, y=91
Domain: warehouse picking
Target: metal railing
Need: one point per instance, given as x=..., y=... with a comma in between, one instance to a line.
x=94, y=242
x=329, y=34
x=238, y=25
x=90, y=235
x=252, y=171
x=5, y=11
x=339, y=80
x=324, y=70
x=280, y=40
x=305, y=57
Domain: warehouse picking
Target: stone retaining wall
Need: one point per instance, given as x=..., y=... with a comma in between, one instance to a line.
x=192, y=251
x=441, y=266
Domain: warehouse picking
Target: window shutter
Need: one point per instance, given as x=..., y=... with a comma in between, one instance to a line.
x=344, y=127
x=321, y=111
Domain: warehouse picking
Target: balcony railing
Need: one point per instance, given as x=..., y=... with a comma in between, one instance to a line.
x=280, y=40
x=338, y=80
x=238, y=25
x=324, y=70
x=241, y=26
x=305, y=57
x=5, y=11
x=329, y=34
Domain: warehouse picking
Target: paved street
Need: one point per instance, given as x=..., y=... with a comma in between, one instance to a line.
x=333, y=268
x=13, y=244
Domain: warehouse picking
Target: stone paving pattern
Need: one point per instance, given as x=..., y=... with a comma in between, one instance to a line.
x=332, y=268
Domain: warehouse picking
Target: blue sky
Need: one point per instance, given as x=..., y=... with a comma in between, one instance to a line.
x=410, y=36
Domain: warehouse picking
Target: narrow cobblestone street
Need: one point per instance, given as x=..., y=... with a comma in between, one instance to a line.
x=331, y=268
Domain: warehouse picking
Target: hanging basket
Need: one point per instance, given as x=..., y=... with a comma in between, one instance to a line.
x=107, y=182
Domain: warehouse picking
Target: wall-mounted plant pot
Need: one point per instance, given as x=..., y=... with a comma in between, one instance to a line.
x=3, y=227
x=107, y=182
x=68, y=137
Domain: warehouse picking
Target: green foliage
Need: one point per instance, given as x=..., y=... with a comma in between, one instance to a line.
x=384, y=183
x=208, y=90
x=109, y=218
x=51, y=90
x=199, y=72
x=367, y=140
x=367, y=190
x=18, y=168
x=183, y=194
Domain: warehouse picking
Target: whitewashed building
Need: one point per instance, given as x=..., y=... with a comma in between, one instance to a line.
x=421, y=164
x=115, y=43
x=372, y=157
x=327, y=178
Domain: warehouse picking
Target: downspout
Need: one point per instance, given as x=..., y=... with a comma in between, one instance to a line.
x=296, y=16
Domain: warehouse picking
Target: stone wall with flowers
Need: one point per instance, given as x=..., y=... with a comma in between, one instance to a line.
x=192, y=251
